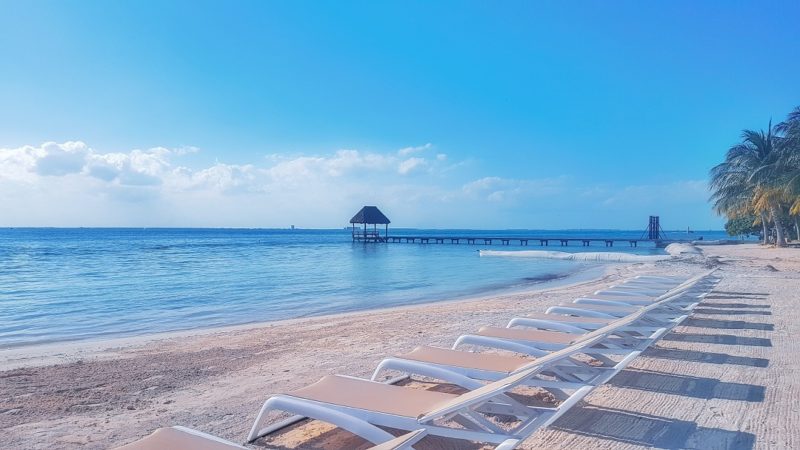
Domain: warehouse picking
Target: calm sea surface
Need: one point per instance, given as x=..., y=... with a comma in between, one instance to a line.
x=74, y=284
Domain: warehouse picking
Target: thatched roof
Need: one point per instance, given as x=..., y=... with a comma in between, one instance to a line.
x=370, y=214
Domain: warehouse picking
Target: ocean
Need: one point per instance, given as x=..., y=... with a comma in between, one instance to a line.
x=78, y=284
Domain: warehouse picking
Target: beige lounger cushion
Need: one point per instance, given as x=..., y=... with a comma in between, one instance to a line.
x=519, y=334
x=372, y=396
x=470, y=360
x=603, y=308
x=571, y=319
x=176, y=439
x=621, y=298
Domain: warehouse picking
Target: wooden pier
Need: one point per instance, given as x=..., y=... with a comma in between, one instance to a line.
x=371, y=215
x=523, y=241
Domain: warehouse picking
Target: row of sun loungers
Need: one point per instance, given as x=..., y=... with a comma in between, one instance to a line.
x=564, y=353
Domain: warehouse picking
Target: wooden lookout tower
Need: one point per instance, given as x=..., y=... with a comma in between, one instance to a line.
x=370, y=215
x=655, y=233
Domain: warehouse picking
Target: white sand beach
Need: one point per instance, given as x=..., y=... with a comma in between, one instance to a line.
x=727, y=378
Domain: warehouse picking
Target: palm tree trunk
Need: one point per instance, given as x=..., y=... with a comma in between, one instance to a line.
x=764, y=237
x=780, y=239
x=796, y=228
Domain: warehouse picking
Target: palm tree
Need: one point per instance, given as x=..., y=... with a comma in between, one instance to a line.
x=788, y=163
x=743, y=182
x=733, y=193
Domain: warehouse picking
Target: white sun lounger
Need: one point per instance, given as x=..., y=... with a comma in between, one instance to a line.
x=611, y=353
x=640, y=287
x=691, y=292
x=182, y=438
x=697, y=291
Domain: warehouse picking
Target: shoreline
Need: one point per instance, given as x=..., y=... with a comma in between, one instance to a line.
x=59, y=352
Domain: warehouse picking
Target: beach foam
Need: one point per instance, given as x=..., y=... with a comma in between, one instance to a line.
x=586, y=256
x=678, y=249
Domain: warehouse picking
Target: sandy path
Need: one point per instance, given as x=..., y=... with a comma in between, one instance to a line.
x=728, y=379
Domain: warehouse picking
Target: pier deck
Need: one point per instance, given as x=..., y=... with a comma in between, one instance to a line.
x=523, y=241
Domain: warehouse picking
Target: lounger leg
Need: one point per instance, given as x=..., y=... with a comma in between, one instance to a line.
x=509, y=444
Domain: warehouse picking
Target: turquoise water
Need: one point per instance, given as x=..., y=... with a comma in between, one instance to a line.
x=74, y=284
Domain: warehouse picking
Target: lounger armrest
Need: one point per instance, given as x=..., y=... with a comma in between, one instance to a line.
x=308, y=408
x=426, y=370
x=503, y=344
x=578, y=312
x=595, y=301
x=544, y=325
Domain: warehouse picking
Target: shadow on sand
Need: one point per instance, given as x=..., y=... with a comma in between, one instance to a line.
x=687, y=386
x=727, y=324
x=735, y=305
x=704, y=309
x=729, y=294
x=726, y=339
x=649, y=431
x=704, y=357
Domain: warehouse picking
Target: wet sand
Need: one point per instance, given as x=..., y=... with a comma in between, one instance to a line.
x=726, y=379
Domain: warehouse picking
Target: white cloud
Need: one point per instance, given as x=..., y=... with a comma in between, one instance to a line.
x=499, y=189
x=411, y=164
x=60, y=159
x=411, y=150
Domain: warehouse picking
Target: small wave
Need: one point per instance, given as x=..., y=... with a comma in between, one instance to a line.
x=546, y=277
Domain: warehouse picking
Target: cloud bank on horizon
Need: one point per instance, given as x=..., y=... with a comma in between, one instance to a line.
x=73, y=184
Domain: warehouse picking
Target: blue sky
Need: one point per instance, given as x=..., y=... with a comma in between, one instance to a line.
x=584, y=114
